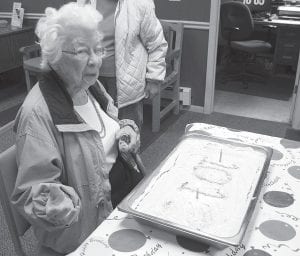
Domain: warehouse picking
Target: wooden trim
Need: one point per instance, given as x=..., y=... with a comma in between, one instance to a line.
x=212, y=56
x=33, y=16
x=194, y=108
x=186, y=23
x=191, y=24
x=5, y=14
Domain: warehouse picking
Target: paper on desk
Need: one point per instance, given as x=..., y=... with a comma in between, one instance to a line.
x=91, y=2
x=93, y=246
x=17, y=15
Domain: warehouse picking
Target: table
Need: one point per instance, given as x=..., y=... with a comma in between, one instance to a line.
x=278, y=22
x=274, y=229
x=287, y=42
x=11, y=39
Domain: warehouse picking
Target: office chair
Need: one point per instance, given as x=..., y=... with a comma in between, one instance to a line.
x=169, y=88
x=31, y=64
x=17, y=225
x=237, y=28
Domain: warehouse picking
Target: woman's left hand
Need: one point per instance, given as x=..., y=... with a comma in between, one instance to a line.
x=128, y=139
x=152, y=88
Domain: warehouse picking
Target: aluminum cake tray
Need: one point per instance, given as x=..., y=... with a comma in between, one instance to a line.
x=129, y=204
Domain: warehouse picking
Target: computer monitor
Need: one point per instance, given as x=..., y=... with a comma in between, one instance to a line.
x=258, y=5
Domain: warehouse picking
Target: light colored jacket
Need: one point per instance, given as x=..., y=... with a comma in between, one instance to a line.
x=60, y=157
x=140, y=49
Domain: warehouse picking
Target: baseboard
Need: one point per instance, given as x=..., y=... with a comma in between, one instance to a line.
x=193, y=108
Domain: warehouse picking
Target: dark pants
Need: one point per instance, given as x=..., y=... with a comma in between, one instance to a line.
x=132, y=111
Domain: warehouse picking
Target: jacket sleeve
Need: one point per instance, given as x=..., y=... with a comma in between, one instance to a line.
x=152, y=36
x=39, y=195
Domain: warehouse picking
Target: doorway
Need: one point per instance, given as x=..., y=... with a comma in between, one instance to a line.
x=272, y=99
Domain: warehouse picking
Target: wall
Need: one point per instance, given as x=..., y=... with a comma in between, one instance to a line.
x=31, y=6
x=195, y=15
x=194, y=62
x=191, y=10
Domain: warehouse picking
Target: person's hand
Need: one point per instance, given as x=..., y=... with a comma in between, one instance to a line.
x=151, y=89
x=128, y=139
x=62, y=207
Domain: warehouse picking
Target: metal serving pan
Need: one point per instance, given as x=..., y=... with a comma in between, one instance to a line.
x=189, y=232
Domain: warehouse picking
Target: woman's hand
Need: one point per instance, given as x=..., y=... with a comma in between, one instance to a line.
x=128, y=139
x=62, y=207
x=56, y=203
x=152, y=88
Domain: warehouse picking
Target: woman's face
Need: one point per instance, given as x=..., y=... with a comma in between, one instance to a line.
x=81, y=60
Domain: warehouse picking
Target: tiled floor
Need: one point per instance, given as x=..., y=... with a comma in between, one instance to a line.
x=252, y=106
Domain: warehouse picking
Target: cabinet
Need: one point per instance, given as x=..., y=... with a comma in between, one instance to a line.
x=287, y=40
x=11, y=39
x=287, y=46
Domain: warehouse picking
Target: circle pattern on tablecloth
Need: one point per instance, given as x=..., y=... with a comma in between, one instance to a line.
x=294, y=171
x=192, y=245
x=289, y=143
x=256, y=252
x=277, y=230
x=277, y=155
x=278, y=199
x=127, y=240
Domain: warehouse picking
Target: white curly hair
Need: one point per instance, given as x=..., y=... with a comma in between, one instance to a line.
x=53, y=29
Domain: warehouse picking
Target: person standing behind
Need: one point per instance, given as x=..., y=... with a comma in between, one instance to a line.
x=134, y=64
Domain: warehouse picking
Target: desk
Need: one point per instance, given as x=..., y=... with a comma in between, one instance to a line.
x=11, y=39
x=287, y=42
x=274, y=229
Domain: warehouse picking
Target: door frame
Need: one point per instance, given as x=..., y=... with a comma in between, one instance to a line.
x=212, y=56
x=295, y=108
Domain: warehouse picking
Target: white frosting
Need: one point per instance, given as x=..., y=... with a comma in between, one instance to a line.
x=204, y=186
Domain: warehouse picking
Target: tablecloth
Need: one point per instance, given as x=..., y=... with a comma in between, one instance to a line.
x=273, y=229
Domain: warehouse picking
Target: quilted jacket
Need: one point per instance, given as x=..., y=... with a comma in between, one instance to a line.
x=140, y=49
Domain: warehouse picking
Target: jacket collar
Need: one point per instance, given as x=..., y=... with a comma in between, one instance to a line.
x=59, y=101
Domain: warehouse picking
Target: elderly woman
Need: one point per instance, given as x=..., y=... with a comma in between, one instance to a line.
x=67, y=135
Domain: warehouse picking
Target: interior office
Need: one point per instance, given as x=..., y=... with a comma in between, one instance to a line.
x=276, y=22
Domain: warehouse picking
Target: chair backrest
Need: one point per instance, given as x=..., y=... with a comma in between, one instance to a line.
x=17, y=225
x=173, y=33
x=236, y=15
x=30, y=51
x=168, y=91
x=31, y=64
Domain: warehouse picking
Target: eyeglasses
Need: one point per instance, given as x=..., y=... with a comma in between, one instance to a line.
x=87, y=52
